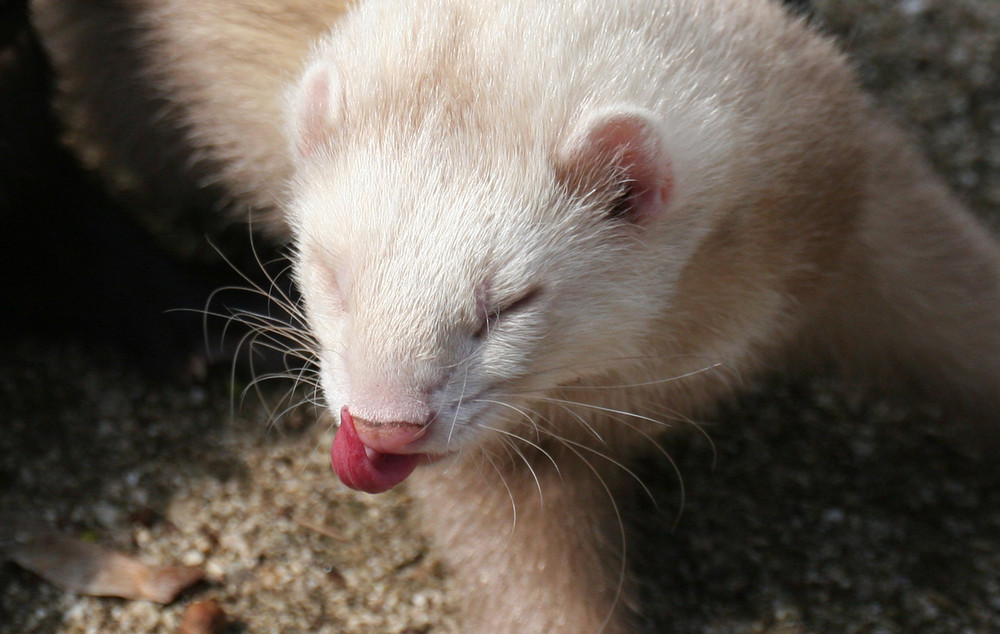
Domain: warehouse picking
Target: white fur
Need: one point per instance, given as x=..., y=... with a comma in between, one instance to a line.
x=480, y=147
x=443, y=176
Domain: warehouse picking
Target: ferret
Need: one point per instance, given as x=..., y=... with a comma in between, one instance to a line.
x=521, y=227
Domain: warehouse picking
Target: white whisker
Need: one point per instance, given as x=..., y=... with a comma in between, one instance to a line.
x=529, y=419
x=623, y=416
x=524, y=458
x=510, y=494
x=621, y=536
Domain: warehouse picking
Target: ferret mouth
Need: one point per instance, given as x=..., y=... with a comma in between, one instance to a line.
x=366, y=469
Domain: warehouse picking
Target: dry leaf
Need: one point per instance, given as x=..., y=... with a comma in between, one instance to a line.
x=86, y=568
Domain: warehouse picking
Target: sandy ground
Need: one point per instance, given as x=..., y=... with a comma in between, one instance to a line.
x=815, y=511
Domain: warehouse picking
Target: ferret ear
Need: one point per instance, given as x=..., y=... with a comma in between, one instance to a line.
x=317, y=108
x=619, y=152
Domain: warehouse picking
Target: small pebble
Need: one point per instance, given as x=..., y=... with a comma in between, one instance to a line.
x=203, y=617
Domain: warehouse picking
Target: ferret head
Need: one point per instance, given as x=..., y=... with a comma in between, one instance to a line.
x=457, y=259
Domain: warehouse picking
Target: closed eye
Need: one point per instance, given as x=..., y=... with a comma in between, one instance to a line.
x=506, y=310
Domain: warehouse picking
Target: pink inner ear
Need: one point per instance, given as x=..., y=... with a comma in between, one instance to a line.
x=317, y=110
x=629, y=144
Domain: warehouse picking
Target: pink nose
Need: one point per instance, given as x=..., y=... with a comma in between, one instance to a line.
x=391, y=437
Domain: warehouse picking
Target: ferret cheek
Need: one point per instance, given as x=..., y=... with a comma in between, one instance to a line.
x=323, y=292
x=335, y=387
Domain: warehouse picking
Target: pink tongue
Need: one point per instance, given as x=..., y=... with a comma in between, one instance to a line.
x=365, y=469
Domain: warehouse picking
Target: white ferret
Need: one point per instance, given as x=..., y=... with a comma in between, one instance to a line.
x=519, y=224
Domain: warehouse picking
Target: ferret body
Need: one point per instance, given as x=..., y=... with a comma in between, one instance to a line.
x=180, y=103
x=531, y=236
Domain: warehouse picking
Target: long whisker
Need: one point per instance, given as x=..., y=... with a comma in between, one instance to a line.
x=698, y=426
x=510, y=494
x=524, y=458
x=608, y=364
x=529, y=419
x=607, y=410
x=583, y=421
x=458, y=407
x=621, y=535
x=623, y=416
x=607, y=457
x=671, y=379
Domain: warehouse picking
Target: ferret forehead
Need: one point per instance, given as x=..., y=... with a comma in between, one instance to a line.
x=432, y=171
x=461, y=192
x=402, y=221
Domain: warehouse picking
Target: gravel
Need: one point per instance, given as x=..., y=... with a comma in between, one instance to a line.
x=812, y=509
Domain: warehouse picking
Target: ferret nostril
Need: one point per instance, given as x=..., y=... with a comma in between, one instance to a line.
x=386, y=426
x=420, y=419
x=363, y=422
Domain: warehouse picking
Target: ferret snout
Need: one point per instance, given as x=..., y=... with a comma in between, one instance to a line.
x=393, y=437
